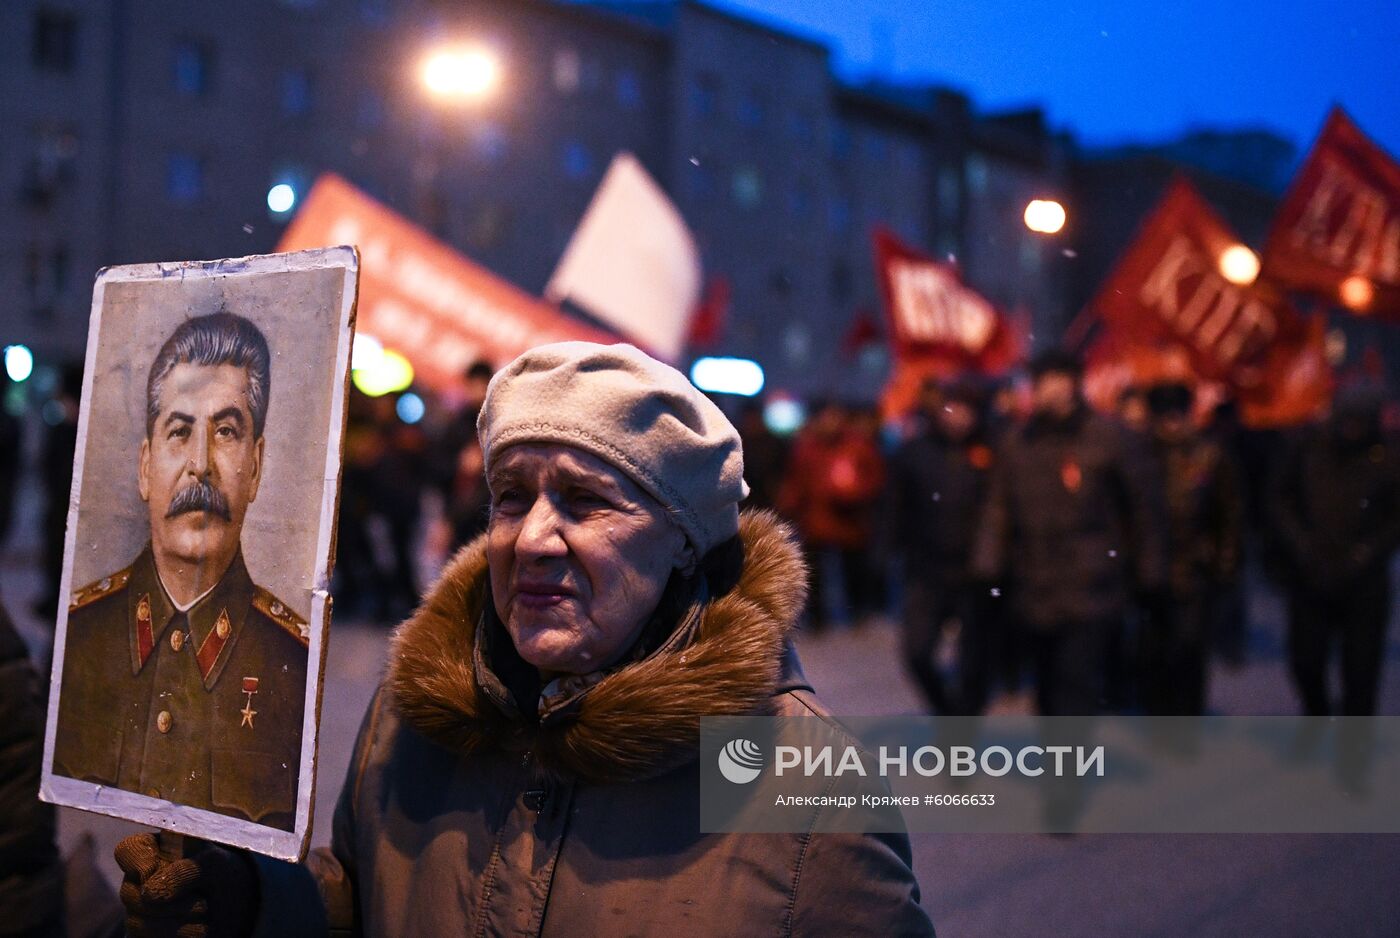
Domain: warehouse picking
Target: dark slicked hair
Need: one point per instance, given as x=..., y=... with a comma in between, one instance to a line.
x=220, y=339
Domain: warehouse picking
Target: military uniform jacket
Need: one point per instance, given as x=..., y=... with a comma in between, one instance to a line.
x=202, y=708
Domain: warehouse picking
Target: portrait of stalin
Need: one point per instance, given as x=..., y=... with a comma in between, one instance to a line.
x=182, y=678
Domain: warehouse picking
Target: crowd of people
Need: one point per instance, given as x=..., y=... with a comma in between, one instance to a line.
x=1101, y=559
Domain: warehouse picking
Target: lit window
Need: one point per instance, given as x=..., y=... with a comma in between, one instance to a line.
x=629, y=89
x=566, y=71
x=748, y=187
x=578, y=163
x=193, y=65
x=296, y=93
x=55, y=42
x=184, y=178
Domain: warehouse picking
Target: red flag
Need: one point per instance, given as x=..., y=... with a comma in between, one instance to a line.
x=933, y=315
x=1337, y=233
x=420, y=296
x=707, y=325
x=1170, y=288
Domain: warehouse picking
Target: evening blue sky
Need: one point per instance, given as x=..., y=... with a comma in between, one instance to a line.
x=1118, y=70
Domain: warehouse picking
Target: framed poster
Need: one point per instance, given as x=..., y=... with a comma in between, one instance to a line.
x=201, y=532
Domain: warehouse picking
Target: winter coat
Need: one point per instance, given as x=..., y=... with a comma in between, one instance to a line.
x=830, y=490
x=1336, y=510
x=936, y=493
x=463, y=815
x=1205, y=514
x=31, y=876
x=1074, y=521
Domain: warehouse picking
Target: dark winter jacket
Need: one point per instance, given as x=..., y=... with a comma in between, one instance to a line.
x=1074, y=521
x=1336, y=509
x=462, y=815
x=937, y=491
x=1205, y=514
x=31, y=877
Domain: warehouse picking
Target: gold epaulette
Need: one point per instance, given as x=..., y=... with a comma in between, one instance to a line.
x=282, y=614
x=98, y=588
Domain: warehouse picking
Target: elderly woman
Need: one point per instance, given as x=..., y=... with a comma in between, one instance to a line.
x=529, y=766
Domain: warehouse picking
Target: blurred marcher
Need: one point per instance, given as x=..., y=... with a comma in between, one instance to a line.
x=1133, y=409
x=359, y=581
x=400, y=475
x=938, y=483
x=528, y=766
x=833, y=478
x=1204, y=520
x=458, y=462
x=11, y=458
x=765, y=456
x=867, y=571
x=1337, y=507
x=31, y=876
x=56, y=470
x=1073, y=526
x=1231, y=625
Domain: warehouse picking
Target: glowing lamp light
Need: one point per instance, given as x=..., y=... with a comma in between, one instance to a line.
x=1238, y=264
x=466, y=74
x=19, y=362
x=1045, y=216
x=727, y=376
x=784, y=416
x=410, y=408
x=377, y=371
x=281, y=198
x=1357, y=293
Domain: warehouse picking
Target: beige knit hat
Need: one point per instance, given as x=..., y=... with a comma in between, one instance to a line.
x=632, y=411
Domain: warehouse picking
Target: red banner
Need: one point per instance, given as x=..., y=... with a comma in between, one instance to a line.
x=1170, y=290
x=422, y=297
x=1337, y=233
x=933, y=315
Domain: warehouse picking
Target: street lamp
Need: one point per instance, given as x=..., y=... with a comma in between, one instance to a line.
x=1238, y=264
x=1045, y=216
x=461, y=73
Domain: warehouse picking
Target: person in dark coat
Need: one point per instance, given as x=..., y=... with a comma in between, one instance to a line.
x=11, y=458
x=458, y=463
x=530, y=765
x=1205, y=510
x=56, y=472
x=31, y=874
x=1073, y=529
x=1337, y=510
x=765, y=456
x=938, y=483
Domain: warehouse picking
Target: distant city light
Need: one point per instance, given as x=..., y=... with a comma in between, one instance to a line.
x=281, y=198
x=410, y=408
x=377, y=371
x=1238, y=264
x=727, y=376
x=465, y=74
x=19, y=362
x=1045, y=216
x=784, y=416
x=1357, y=293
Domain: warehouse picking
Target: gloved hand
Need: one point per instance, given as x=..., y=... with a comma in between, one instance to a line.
x=211, y=892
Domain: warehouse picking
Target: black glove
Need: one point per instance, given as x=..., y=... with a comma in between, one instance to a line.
x=211, y=892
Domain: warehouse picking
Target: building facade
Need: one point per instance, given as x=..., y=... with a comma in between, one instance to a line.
x=145, y=130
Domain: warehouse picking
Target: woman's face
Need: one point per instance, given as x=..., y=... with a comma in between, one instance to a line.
x=579, y=556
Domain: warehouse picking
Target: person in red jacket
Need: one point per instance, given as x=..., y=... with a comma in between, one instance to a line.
x=834, y=478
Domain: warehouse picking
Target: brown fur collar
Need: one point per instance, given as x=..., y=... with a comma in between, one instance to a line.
x=639, y=720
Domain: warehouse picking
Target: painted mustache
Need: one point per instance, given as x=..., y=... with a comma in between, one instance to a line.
x=201, y=496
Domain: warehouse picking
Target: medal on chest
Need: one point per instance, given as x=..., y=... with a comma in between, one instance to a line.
x=250, y=687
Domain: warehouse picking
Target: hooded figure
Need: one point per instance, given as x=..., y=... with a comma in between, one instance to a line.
x=529, y=766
